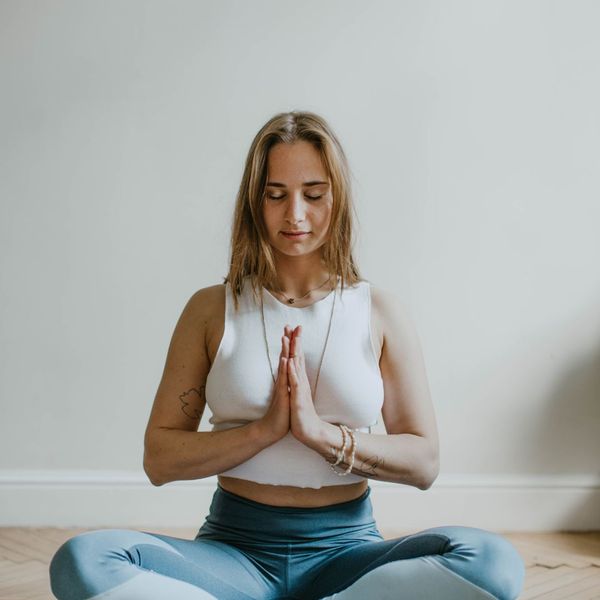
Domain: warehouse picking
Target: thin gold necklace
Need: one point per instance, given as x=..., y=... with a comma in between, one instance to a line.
x=293, y=300
x=262, y=312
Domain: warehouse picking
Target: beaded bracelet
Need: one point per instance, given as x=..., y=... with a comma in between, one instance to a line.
x=340, y=453
x=352, y=453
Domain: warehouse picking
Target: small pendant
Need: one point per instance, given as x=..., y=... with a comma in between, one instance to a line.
x=290, y=301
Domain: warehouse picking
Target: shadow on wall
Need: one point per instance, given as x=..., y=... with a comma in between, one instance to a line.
x=565, y=436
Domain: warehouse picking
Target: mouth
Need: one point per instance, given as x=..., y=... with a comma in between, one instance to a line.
x=295, y=235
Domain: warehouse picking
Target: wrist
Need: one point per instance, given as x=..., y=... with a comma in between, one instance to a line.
x=329, y=441
x=261, y=433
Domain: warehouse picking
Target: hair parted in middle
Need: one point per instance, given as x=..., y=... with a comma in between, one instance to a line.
x=251, y=254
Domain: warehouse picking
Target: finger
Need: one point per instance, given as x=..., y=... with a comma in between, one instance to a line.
x=282, y=371
x=298, y=349
x=286, y=346
x=293, y=342
x=289, y=332
x=283, y=358
x=292, y=375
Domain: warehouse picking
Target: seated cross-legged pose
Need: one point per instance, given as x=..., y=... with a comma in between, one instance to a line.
x=296, y=355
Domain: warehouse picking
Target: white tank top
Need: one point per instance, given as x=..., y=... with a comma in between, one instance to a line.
x=349, y=389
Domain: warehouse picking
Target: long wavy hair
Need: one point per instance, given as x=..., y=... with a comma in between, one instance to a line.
x=251, y=254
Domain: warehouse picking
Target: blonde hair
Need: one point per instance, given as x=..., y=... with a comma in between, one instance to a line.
x=251, y=254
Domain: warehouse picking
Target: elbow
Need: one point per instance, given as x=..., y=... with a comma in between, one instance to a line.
x=151, y=475
x=150, y=470
x=427, y=481
x=151, y=460
x=430, y=474
x=154, y=481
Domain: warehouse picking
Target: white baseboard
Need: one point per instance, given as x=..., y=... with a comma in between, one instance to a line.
x=123, y=499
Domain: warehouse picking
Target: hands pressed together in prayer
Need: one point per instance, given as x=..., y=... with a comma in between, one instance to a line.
x=292, y=408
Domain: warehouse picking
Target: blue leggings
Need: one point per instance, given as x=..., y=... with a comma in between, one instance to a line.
x=248, y=550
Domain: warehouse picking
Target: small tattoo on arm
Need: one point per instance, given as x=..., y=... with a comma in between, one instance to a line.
x=188, y=399
x=370, y=465
x=366, y=469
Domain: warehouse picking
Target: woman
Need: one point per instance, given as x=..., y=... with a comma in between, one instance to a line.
x=300, y=357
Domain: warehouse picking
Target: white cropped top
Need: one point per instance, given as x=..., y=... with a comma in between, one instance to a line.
x=349, y=390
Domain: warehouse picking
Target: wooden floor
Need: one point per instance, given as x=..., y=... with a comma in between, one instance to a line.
x=560, y=566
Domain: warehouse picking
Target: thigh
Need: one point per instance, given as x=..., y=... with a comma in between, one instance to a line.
x=123, y=563
x=451, y=562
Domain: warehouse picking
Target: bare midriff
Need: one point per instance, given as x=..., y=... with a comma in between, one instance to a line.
x=291, y=495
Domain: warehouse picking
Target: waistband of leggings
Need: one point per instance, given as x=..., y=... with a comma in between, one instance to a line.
x=223, y=496
x=235, y=518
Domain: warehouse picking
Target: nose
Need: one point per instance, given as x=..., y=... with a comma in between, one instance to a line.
x=295, y=208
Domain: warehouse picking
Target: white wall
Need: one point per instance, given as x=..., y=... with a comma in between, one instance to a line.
x=472, y=130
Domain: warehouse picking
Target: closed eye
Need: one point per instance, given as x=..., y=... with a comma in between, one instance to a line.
x=283, y=196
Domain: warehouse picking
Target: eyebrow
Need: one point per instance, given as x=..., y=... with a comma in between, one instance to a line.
x=305, y=184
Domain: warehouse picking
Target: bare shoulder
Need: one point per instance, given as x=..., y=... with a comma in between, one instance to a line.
x=208, y=299
x=208, y=304
x=392, y=314
x=383, y=297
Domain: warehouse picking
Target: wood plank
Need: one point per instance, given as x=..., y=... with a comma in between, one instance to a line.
x=571, y=583
x=28, y=542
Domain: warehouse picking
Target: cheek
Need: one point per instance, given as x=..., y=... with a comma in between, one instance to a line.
x=324, y=218
x=271, y=222
x=267, y=218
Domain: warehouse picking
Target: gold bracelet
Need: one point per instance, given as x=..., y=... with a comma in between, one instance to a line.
x=353, y=450
x=340, y=453
x=349, y=469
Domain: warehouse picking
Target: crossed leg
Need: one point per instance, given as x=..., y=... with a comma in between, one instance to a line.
x=449, y=563
x=123, y=564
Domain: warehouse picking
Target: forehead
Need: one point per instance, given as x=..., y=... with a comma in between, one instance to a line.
x=295, y=163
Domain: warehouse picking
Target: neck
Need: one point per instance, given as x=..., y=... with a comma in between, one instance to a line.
x=297, y=275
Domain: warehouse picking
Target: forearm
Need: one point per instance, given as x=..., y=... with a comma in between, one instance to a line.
x=175, y=454
x=400, y=457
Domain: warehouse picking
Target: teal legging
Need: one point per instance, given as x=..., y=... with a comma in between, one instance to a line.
x=247, y=550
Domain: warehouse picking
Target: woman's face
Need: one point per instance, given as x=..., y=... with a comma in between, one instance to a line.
x=297, y=198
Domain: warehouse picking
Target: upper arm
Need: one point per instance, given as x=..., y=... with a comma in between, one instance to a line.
x=407, y=405
x=179, y=402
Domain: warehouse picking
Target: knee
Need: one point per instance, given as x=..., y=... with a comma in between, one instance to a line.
x=510, y=568
x=63, y=567
x=501, y=565
x=73, y=569
x=485, y=558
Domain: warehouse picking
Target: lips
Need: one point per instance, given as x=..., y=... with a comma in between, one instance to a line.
x=295, y=235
